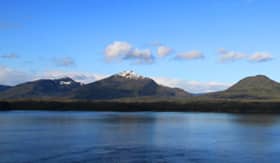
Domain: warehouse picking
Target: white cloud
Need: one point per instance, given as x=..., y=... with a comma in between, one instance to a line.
x=190, y=55
x=226, y=56
x=141, y=56
x=163, y=51
x=9, y=76
x=83, y=77
x=9, y=56
x=193, y=86
x=260, y=57
x=117, y=48
x=155, y=43
x=124, y=50
x=64, y=62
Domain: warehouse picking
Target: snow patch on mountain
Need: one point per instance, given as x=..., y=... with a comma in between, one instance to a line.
x=130, y=75
x=65, y=82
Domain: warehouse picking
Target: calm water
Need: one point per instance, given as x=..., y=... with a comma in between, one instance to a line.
x=138, y=137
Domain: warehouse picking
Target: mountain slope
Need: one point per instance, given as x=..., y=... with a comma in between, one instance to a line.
x=43, y=88
x=4, y=87
x=125, y=84
x=254, y=87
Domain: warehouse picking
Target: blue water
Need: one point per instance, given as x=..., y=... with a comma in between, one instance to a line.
x=41, y=136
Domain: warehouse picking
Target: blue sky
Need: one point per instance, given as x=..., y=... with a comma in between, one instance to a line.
x=200, y=45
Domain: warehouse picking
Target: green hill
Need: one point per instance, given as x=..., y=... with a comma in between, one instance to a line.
x=254, y=87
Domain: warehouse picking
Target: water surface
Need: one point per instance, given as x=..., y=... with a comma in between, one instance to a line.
x=41, y=136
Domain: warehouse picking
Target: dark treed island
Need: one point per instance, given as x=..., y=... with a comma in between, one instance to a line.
x=127, y=91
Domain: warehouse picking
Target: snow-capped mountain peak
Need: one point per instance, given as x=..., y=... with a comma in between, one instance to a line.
x=65, y=82
x=130, y=75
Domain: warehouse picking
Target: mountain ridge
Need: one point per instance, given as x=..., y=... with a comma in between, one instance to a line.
x=128, y=84
x=4, y=87
x=123, y=84
x=252, y=87
x=41, y=88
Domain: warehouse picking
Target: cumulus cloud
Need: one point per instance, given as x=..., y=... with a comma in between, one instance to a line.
x=117, y=48
x=163, y=51
x=226, y=56
x=124, y=50
x=260, y=57
x=141, y=56
x=64, y=62
x=9, y=56
x=193, y=86
x=83, y=77
x=190, y=55
x=9, y=76
x=155, y=43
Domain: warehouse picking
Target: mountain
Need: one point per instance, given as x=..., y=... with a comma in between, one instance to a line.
x=129, y=84
x=125, y=84
x=4, y=87
x=44, y=88
x=254, y=87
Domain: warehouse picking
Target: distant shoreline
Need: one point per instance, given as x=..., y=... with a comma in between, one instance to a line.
x=223, y=106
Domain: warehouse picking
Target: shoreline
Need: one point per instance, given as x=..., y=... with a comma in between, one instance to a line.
x=221, y=106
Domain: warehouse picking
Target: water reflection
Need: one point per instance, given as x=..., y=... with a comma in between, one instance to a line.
x=257, y=119
x=255, y=133
x=138, y=137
